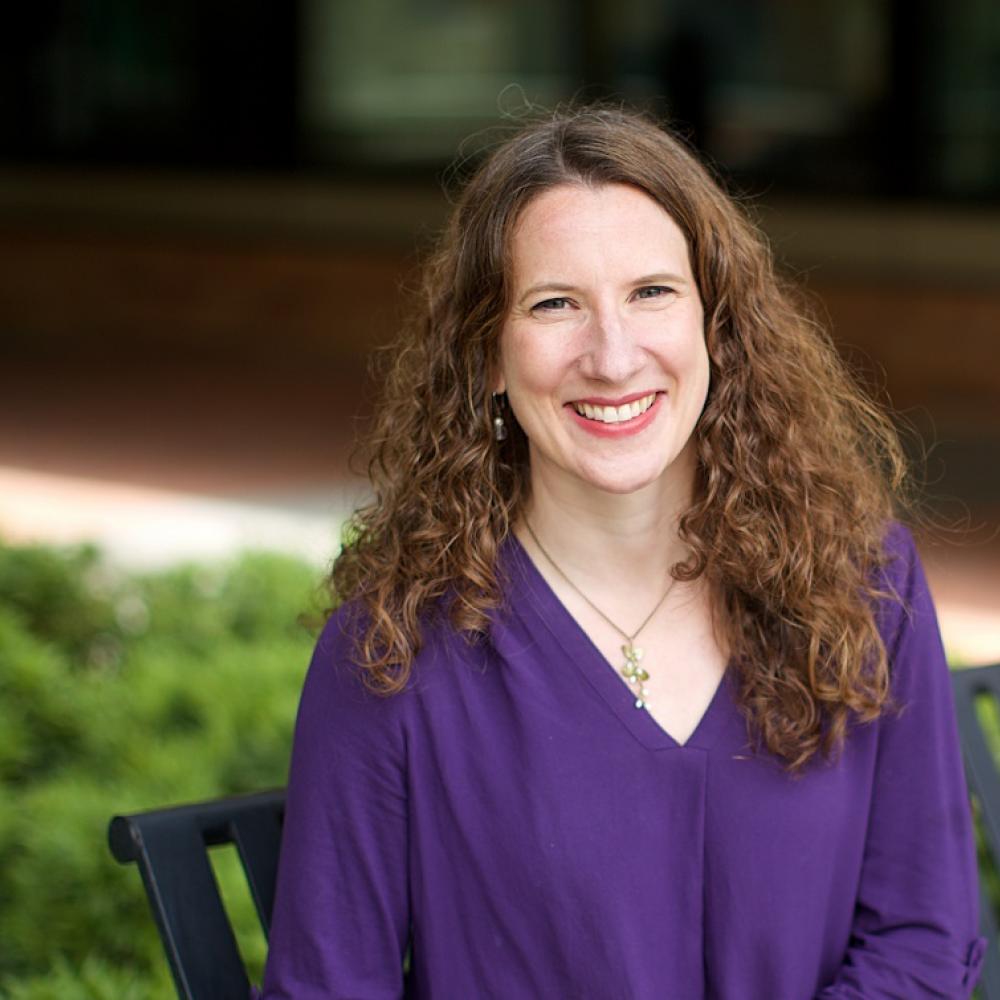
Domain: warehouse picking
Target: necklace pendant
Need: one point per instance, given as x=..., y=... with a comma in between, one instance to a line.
x=632, y=657
x=632, y=653
x=631, y=669
x=633, y=673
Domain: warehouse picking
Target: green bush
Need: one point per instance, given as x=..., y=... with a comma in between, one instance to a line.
x=93, y=979
x=120, y=693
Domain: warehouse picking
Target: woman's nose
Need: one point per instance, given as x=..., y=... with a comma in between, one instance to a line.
x=612, y=352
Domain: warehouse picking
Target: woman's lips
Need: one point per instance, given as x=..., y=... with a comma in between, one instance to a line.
x=615, y=413
x=623, y=428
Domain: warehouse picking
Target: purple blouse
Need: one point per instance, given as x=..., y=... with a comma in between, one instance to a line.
x=539, y=836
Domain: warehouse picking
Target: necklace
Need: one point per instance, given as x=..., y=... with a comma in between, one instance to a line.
x=635, y=674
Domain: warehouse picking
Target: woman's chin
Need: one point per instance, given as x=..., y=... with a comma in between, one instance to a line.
x=622, y=483
x=672, y=475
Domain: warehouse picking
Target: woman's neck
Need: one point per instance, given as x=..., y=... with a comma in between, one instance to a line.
x=605, y=541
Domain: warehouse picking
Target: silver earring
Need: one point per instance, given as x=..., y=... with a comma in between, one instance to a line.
x=499, y=427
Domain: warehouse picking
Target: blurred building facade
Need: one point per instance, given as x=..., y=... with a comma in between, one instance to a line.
x=871, y=98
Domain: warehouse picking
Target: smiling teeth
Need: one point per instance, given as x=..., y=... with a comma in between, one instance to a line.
x=615, y=414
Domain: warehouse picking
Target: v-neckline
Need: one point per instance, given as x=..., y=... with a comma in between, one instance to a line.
x=569, y=638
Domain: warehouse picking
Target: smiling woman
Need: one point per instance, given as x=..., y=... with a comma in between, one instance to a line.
x=611, y=705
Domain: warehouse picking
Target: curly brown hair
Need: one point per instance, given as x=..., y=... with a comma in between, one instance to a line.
x=798, y=472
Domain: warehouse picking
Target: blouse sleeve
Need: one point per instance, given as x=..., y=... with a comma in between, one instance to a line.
x=915, y=930
x=341, y=915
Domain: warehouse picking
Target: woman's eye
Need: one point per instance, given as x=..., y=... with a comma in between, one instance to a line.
x=652, y=292
x=552, y=305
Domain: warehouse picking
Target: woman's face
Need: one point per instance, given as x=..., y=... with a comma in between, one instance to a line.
x=603, y=353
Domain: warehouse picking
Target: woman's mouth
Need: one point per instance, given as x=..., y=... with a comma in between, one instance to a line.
x=615, y=414
x=622, y=421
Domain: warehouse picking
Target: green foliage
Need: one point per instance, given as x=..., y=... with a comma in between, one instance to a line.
x=120, y=693
x=93, y=979
x=62, y=597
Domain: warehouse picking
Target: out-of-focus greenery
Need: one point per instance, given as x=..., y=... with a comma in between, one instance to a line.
x=118, y=693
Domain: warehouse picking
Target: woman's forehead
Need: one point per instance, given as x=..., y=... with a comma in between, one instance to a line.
x=582, y=225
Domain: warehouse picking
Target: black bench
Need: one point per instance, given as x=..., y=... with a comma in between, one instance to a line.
x=984, y=786
x=170, y=846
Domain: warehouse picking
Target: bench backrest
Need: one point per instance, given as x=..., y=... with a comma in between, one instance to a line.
x=970, y=685
x=170, y=846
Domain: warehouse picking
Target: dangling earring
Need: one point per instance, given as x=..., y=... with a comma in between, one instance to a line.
x=499, y=427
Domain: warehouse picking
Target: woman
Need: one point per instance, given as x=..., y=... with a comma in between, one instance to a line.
x=637, y=690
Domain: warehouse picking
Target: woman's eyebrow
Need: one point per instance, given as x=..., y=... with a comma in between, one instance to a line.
x=546, y=286
x=661, y=278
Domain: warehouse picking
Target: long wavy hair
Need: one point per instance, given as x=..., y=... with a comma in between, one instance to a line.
x=798, y=472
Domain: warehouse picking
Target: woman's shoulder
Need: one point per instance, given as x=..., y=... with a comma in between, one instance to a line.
x=899, y=546
x=906, y=616
x=335, y=687
x=336, y=670
x=900, y=579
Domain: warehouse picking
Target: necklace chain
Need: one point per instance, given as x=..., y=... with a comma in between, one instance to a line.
x=631, y=671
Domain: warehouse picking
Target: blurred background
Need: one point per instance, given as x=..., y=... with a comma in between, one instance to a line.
x=208, y=211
